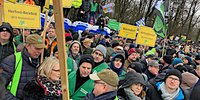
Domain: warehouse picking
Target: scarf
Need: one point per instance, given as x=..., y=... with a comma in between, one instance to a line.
x=165, y=95
x=131, y=94
x=50, y=88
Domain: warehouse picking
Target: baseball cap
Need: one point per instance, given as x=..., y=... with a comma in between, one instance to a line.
x=36, y=40
x=106, y=75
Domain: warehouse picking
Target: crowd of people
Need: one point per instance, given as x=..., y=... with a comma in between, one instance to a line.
x=100, y=67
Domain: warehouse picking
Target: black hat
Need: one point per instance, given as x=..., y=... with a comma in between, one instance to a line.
x=133, y=78
x=136, y=66
x=168, y=59
x=174, y=72
x=87, y=58
x=114, y=43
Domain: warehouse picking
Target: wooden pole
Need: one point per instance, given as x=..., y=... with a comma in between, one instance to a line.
x=43, y=35
x=59, y=23
x=1, y=11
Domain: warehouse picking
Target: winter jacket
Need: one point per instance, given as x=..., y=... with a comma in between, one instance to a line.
x=7, y=49
x=49, y=47
x=28, y=72
x=105, y=96
x=154, y=92
x=81, y=92
x=35, y=91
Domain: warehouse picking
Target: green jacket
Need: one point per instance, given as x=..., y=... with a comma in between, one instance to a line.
x=100, y=67
x=81, y=92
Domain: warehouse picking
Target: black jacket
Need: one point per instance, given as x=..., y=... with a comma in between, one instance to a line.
x=28, y=72
x=33, y=91
x=105, y=96
x=6, y=50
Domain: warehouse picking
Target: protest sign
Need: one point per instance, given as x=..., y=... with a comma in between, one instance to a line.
x=146, y=36
x=128, y=31
x=22, y=15
x=108, y=8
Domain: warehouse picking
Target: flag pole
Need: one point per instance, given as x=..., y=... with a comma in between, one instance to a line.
x=166, y=30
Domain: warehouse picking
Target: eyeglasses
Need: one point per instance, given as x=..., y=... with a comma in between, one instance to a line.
x=174, y=79
x=100, y=55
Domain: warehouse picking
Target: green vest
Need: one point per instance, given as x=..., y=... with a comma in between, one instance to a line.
x=100, y=67
x=93, y=7
x=13, y=85
x=81, y=92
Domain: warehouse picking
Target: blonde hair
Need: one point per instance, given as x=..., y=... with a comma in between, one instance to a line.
x=46, y=67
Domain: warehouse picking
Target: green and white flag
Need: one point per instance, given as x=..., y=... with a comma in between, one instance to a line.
x=160, y=26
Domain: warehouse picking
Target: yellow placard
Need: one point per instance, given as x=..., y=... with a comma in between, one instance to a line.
x=22, y=15
x=128, y=31
x=146, y=36
x=65, y=3
x=171, y=37
x=13, y=1
x=183, y=37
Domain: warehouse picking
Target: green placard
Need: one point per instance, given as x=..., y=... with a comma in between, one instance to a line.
x=112, y=24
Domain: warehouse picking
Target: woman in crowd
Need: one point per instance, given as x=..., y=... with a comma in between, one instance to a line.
x=79, y=82
x=133, y=87
x=47, y=84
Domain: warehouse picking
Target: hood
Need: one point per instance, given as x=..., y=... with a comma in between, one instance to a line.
x=118, y=71
x=8, y=28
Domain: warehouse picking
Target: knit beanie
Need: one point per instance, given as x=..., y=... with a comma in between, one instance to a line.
x=177, y=61
x=174, y=72
x=132, y=50
x=102, y=49
x=168, y=59
x=189, y=59
x=87, y=58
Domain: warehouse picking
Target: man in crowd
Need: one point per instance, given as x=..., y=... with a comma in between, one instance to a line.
x=153, y=69
x=132, y=57
x=20, y=68
x=99, y=55
x=169, y=89
x=105, y=86
x=7, y=46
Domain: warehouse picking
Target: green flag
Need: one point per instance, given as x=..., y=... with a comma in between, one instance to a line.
x=160, y=26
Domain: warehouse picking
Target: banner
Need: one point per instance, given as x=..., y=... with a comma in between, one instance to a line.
x=128, y=31
x=160, y=26
x=65, y=3
x=112, y=24
x=146, y=36
x=108, y=8
x=22, y=15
